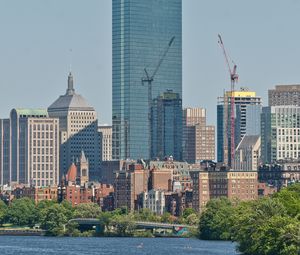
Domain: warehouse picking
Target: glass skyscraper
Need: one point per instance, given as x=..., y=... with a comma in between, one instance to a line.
x=166, y=131
x=142, y=30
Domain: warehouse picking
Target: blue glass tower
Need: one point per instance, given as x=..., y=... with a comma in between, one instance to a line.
x=166, y=131
x=142, y=30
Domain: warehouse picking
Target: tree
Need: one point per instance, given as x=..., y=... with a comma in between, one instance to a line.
x=187, y=212
x=3, y=212
x=105, y=220
x=22, y=212
x=124, y=224
x=89, y=210
x=53, y=219
x=214, y=221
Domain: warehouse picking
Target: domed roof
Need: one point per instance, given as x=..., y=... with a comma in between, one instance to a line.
x=71, y=100
x=72, y=173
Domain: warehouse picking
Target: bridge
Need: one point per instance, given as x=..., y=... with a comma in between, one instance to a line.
x=177, y=229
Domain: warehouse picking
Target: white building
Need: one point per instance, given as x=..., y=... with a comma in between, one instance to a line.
x=78, y=129
x=105, y=142
x=29, y=148
x=154, y=200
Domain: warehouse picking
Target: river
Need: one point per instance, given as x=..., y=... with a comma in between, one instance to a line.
x=74, y=246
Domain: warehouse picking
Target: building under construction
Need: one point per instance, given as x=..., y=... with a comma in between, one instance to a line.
x=247, y=110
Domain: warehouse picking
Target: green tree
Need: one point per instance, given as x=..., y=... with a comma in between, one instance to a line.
x=22, y=212
x=105, y=220
x=214, y=221
x=187, y=212
x=89, y=210
x=3, y=212
x=123, y=224
x=54, y=219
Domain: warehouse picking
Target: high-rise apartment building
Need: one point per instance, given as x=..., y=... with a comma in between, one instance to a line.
x=78, y=128
x=280, y=133
x=285, y=95
x=30, y=148
x=105, y=133
x=198, y=138
x=247, y=118
x=141, y=33
x=166, y=128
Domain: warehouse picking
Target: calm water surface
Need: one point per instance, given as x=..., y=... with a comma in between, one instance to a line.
x=73, y=246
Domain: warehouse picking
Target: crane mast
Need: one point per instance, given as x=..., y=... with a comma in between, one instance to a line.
x=233, y=79
x=149, y=79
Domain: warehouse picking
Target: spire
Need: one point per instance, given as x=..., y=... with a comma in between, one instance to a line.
x=82, y=157
x=70, y=90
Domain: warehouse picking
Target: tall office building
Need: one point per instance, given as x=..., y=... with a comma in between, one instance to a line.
x=247, y=107
x=166, y=129
x=105, y=133
x=78, y=128
x=141, y=33
x=33, y=149
x=285, y=95
x=198, y=138
x=4, y=151
x=280, y=133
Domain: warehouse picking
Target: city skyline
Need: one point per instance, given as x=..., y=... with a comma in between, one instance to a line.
x=38, y=55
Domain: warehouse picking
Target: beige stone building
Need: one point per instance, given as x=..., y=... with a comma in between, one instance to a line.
x=212, y=183
x=198, y=138
x=105, y=142
x=78, y=128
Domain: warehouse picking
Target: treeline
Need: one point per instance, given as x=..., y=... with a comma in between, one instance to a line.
x=268, y=226
x=54, y=218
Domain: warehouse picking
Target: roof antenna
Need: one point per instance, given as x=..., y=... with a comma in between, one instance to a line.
x=70, y=50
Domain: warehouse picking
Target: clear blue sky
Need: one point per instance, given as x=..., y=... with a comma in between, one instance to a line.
x=263, y=37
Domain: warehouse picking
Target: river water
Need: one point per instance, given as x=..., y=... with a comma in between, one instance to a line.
x=123, y=246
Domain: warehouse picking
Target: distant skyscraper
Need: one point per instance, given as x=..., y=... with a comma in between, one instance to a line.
x=31, y=153
x=198, y=138
x=5, y=139
x=280, y=133
x=78, y=129
x=285, y=95
x=141, y=33
x=105, y=133
x=247, y=106
x=166, y=130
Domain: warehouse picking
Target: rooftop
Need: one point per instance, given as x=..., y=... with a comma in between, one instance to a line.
x=71, y=100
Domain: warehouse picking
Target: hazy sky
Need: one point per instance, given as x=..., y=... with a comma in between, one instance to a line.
x=262, y=36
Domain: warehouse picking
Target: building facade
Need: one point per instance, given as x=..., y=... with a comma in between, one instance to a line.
x=247, y=106
x=5, y=155
x=285, y=95
x=31, y=156
x=215, y=183
x=141, y=31
x=166, y=128
x=105, y=133
x=247, y=154
x=154, y=200
x=78, y=128
x=129, y=183
x=280, y=133
x=198, y=138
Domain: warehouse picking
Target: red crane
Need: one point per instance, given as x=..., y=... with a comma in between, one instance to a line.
x=233, y=79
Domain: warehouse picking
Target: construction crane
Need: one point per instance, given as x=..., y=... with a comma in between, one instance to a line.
x=149, y=79
x=233, y=80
